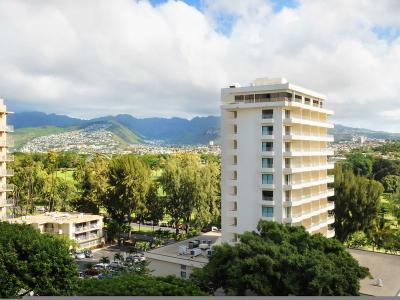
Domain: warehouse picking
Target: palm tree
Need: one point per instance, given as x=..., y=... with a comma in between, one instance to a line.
x=104, y=260
x=118, y=257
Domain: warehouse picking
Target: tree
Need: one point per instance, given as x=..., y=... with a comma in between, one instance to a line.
x=391, y=183
x=138, y=285
x=281, y=260
x=394, y=204
x=356, y=202
x=154, y=205
x=192, y=190
x=129, y=181
x=380, y=232
x=104, y=260
x=383, y=167
x=30, y=261
x=92, y=177
x=361, y=163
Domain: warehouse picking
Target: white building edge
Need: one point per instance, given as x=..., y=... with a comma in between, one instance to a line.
x=274, y=158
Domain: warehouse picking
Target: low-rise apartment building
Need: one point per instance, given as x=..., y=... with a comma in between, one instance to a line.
x=181, y=258
x=85, y=229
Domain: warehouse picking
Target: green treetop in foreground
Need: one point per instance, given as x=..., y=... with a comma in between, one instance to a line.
x=138, y=285
x=281, y=260
x=30, y=261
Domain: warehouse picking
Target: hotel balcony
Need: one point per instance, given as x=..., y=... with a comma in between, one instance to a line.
x=6, y=202
x=330, y=233
x=310, y=198
x=308, y=168
x=6, y=187
x=7, y=128
x=310, y=122
x=306, y=137
x=6, y=173
x=7, y=143
x=7, y=158
x=309, y=152
x=309, y=182
x=312, y=212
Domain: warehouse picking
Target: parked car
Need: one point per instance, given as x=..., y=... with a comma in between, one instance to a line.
x=116, y=265
x=132, y=259
x=88, y=253
x=101, y=266
x=79, y=255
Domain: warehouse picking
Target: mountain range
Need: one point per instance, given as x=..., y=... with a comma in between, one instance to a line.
x=164, y=131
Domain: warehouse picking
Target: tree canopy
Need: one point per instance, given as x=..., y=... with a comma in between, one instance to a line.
x=356, y=202
x=30, y=261
x=138, y=285
x=281, y=260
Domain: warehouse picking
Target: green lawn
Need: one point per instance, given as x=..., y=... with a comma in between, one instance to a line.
x=67, y=175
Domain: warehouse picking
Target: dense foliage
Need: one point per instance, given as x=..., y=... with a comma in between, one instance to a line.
x=281, y=260
x=135, y=285
x=30, y=261
x=356, y=202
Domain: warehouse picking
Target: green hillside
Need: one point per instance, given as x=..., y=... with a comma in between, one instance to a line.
x=123, y=134
x=23, y=135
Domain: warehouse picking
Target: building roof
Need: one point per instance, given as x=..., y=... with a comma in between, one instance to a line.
x=380, y=265
x=171, y=253
x=56, y=217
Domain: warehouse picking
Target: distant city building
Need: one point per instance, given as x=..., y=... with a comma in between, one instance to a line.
x=85, y=229
x=5, y=156
x=274, y=158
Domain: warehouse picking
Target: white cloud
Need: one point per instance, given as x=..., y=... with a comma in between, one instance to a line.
x=96, y=57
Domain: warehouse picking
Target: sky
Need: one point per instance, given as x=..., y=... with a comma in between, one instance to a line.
x=164, y=58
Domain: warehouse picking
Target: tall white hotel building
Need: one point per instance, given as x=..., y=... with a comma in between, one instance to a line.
x=274, y=158
x=5, y=157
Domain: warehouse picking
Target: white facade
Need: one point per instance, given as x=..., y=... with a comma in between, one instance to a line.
x=274, y=158
x=5, y=144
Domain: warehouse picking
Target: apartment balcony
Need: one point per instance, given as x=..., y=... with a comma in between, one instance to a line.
x=298, y=136
x=309, y=152
x=331, y=192
x=330, y=205
x=82, y=229
x=308, y=168
x=307, y=199
x=309, y=182
x=311, y=122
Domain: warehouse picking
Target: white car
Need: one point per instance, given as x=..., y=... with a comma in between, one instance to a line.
x=101, y=266
x=80, y=255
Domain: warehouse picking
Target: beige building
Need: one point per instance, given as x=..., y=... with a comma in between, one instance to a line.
x=274, y=160
x=85, y=229
x=5, y=144
x=178, y=259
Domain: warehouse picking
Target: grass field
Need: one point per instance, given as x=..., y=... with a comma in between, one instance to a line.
x=67, y=175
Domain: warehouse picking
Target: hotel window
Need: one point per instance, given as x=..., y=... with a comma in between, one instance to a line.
x=288, y=179
x=287, y=114
x=183, y=267
x=267, y=113
x=235, y=114
x=239, y=98
x=287, y=212
x=235, y=128
x=183, y=274
x=234, y=144
x=288, y=195
x=267, y=146
x=267, y=211
x=267, y=179
x=249, y=98
x=267, y=130
x=287, y=147
x=287, y=162
x=268, y=195
x=288, y=130
x=235, y=160
x=267, y=162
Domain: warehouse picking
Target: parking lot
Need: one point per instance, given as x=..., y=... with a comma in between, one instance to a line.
x=99, y=253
